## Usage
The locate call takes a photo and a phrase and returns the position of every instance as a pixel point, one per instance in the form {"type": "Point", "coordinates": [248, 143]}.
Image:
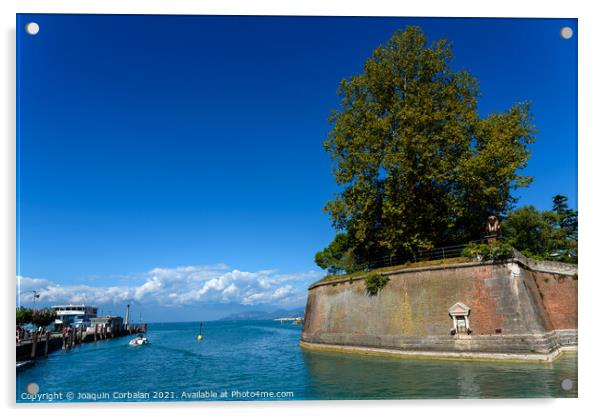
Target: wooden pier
{"type": "Point", "coordinates": [40, 345]}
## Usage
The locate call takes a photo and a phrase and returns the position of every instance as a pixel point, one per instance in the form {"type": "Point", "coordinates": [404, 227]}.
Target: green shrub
{"type": "Point", "coordinates": [375, 282]}
{"type": "Point", "coordinates": [485, 252]}
{"type": "Point", "coordinates": [475, 251]}
{"type": "Point", "coordinates": [500, 250]}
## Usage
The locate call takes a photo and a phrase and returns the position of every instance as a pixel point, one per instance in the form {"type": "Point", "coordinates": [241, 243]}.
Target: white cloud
{"type": "Point", "coordinates": [185, 285]}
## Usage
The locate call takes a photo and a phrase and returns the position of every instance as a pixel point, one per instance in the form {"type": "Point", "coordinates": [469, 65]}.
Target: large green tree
{"type": "Point", "coordinates": [549, 234]}
{"type": "Point", "coordinates": [417, 165]}
{"type": "Point", "coordinates": [530, 231]}
{"type": "Point", "coordinates": [565, 218]}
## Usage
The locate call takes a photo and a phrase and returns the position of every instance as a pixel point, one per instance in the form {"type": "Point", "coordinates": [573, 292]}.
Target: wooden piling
{"type": "Point", "coordinates": [64, 340]}
{"type": "Point", "coordinates": [46, 345]}
{"type": "Point", "coordinates": [96, 332]}
{"type": "Point", "coordinates": [34, 345]}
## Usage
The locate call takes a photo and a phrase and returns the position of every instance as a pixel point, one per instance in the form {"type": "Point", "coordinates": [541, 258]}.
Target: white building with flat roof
{"type": "Point", "coordinates": [74, 315]}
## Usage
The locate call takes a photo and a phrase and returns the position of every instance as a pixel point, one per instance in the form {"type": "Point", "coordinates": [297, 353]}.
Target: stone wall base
{"type": "Point", "coordinates": [537, 348]}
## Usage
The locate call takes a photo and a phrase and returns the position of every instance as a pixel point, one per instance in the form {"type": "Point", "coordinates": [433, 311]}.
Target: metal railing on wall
{"type": "Point", "coordinates": [443, 252]}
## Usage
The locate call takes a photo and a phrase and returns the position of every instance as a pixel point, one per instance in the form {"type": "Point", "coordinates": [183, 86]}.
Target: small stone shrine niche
{"type": "Point", "coordinates": [459, 312]}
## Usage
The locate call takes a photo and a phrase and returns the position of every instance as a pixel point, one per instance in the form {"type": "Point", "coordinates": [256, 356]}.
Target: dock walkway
{"type": "Point", "coordinates": [40, 345]}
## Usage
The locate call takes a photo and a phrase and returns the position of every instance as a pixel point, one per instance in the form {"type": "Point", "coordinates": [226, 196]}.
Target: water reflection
{"type": "Point", "coordinates": [349, 376]}
{"type": "Point", "coordinates": [467, 383]}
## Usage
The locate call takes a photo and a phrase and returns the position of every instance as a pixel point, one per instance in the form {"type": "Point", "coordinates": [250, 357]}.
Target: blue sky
{"type": "Point", "coordinates": [161, 143]}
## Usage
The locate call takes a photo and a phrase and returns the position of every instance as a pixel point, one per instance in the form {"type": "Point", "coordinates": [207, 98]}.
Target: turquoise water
{"type": "Point", "coordinates": [251, 360]}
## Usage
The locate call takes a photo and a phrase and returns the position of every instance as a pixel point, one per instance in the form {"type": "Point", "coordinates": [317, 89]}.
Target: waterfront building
{"type": "Point", "coordinates": [114, 322]}
{"type": "Point", "coordinates": [74, 315]}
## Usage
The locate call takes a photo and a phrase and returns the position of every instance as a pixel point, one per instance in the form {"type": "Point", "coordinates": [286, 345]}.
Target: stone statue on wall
{"type": "Point", "coordinates": [493, 228]}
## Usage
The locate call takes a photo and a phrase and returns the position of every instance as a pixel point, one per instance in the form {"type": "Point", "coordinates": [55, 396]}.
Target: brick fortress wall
{"type": "Point", "coordinates": [517, 306]}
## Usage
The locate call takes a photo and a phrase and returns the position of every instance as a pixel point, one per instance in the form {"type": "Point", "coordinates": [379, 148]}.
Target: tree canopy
{"type": "Point", "coordinates": [23, 315]}
{"type": "Point", "coordinates": [43, 317]}
{"type": "Point", "coordinates": [549, 234]}
{"type": "Point", "coordinates": [417, 165]}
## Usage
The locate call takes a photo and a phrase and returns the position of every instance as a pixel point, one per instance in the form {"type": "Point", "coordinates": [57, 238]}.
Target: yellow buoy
{"type": "Point", "coordinates": [200, 336]}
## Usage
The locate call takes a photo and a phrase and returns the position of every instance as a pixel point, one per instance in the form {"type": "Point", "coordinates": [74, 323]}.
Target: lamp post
{"type": "Point", "coordinates": [36, 295]}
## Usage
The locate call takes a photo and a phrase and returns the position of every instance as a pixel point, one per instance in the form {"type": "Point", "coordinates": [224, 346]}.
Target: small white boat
{"type": "Point", "coordinates": [139, 340]}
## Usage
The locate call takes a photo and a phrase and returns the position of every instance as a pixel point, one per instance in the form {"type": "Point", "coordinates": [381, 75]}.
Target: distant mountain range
{"type": "Point", "coordinates": [263, 315]}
